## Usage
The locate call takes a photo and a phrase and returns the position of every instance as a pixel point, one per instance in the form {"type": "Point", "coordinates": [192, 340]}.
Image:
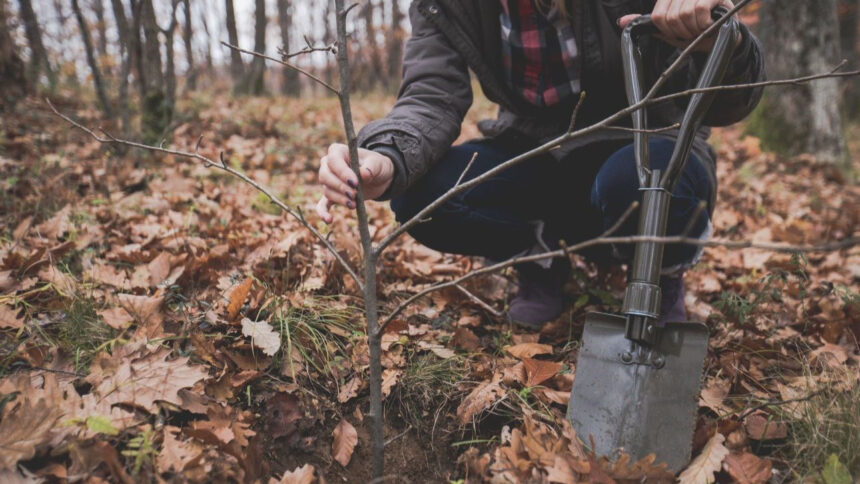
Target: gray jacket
{"type": "Point", "coordinates": [452, 37]}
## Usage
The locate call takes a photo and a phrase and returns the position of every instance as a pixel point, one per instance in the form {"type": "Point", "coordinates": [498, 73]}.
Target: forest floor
{"type": "Point", "coordinates": [129, 284]}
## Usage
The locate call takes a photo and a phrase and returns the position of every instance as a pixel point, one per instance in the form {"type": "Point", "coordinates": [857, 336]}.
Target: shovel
{"type": "Point", "coordinates": [637, 384]}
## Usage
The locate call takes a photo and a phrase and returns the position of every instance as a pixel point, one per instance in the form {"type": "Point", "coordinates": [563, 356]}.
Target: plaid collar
{"type": "Point", "coordinates": [539, 53]}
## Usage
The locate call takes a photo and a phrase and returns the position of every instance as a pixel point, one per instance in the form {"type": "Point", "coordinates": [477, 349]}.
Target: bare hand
{"type": "Point", "coordinates": [681, 21]}
{"type": "Point", "coordinates": [339, 181]}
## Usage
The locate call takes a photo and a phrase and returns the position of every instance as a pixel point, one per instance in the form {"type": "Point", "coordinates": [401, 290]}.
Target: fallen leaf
{"type": "Point", "coordinates": [745, 468]}
{"type": "Point", "coordinates": [9, 317]}
{"type": "Point", "coordinates": [176, 455]}
{"type": "Point", "coordinates": [528, 350]}
{"type": "Point", "coordinates": [262, 336]}
{"type": "Point", "coordinates": [25, 426]}
{"type": "Point", "coordinates": [389, 379]}
{"type": "Point", "coordinates": [713, 394]}
{"type": "Point", "coordinates": [345, 439]}
{"type": "Point", "coordinates": [237, 298]}
{"type": "Point", "coordinates": [437, 349]}
{"type": "Point", "coordinates": [539, 371]}
{"type": "Point", "coordinates": [350, 389]}
{"type": "Point", "coordinates": [464, 338]}
{"type": "Point", "coordinates": [481, 397]}
{"type": "Point", "coordinates": [299, 475]}
{"type": "Point", "coordinates": [116, 318]}
{"type": "Point", "coordinates": [701, 470]}
{"type": "Point", "coordinates": [760, 427]}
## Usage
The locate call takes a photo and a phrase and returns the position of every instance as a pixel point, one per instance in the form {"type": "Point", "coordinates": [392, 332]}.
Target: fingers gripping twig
{"type": "Point", "coordinates": [221, 165]}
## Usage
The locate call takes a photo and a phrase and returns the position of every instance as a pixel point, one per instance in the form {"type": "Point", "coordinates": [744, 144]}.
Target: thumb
{"type": "Point", "coordinates": [623, 21]}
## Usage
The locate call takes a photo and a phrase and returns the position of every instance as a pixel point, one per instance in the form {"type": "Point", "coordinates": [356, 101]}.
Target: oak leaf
{"type": "Point", "coordinates": [528, 350]}
{"type": "Point", "coordinates": [177, 455]}
{"type": "Point", "coordinates": [701, 470]}
{"type": "Point", "coordinates": [345, 439]}
{"type": "Point", "coordinates": [299, 475]}
{"type": "Point", "coordinates": [349, 390]}
{"type": "Point", "coordinates": [745, 468]}
{"type": "Point", "coordinates": [481, 397]}
{"type": "Point", "coordinates": [9, 317]}
{"type": "Point", "coordinates": [262, 336]}
{"type": "Point", "coordinates": [25, 426]}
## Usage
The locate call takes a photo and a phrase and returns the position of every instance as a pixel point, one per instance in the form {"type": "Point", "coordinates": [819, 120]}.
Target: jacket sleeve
{"type": "Point", "coordinates": [745, 67]}
{"type": "Point", "coordinates": [434, 96]}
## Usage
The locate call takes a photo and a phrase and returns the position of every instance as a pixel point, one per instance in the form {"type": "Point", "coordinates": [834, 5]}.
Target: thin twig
{"type": "Point", "coordinates": [222, 165]}
{"type": "Point", "coordinates": [307, 49]}
{"type": "Point", "coordinates": [645, 131]}
{"type": "Point", "coordinates": [401, 434]}
{"type": "Point", "coordinates": [285, 64]}
{"type": "Point", "coordinates": [480, 302]}
{"type": "Point", "coordinates": [575, 114]}
{"type": "Point", "coordinates": [468, 166]}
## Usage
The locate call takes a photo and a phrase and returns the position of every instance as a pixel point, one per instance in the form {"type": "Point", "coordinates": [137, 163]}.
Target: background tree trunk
{"type": "Point", "coordinates": [371, 79]}
{"type": "Point", "coordinates": [256, 82]}
{"type": "Point", "coordinates": [290, 84]}
{"type": "Point", "coordinates": [11, 66]}
{"type": "Point", "coordinates": [155, 108]}
{"type": "Point", "coordinates": [800, 38]}
{"type": "Point", "coordinates": [237, 68]}
{"type": "Point", "coordinates": [38, 56]}
{"type": "Point", "coordinates": [848, 18]}
{"type": "Point", "coordinates": [396, 36]}
{"type": "Point", "coordinates": [187, 32]}
{"type": "Point", "coordinates": [101, 92]}
{"type": "Point", "coordinates": [125, 63]}
{"type": "Point", "coordinates": [170, 68]}
{"type": "Point", "coordinates": [101, 27]}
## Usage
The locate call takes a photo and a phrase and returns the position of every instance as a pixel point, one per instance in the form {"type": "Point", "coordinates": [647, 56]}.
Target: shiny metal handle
{"type": "Point", "coordinates": [712, 74]}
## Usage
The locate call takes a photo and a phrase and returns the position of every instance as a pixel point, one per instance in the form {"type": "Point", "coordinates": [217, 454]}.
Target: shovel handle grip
{"type": "Point", "coordinates": [712, 74]}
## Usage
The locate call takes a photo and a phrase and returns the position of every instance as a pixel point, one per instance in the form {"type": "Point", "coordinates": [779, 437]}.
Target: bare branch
{"type": "Point", "coordinates": [285, 64]}
{"type": "Point", "coordinates": [646, 131]}
{"type": "Point", "coordinates": [678, 239]}
{"type": "Point", "coordinates": [480, 302]}
{"type": "Point", "coordinates": [307, 49]}
{"type": "Point", "coordinates": [573, 116]}
{"type": "Point", "coordinates": [108, 139]}
{"type": "Point", "coordinates": [468, 166]}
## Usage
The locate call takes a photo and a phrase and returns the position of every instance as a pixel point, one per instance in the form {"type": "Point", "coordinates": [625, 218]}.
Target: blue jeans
{"type": "Point", "coordinates": [575, 199]}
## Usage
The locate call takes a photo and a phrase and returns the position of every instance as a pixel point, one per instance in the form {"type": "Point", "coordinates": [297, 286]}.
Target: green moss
{"type": "Point", "coordinates": [767, 124]}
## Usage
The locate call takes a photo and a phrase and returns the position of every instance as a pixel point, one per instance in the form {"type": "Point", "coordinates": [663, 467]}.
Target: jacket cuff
{"type": "Point", "coordinates": [398, 182]}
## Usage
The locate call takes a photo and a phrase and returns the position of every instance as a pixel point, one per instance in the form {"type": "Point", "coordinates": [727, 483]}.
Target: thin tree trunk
{"type": "Point", "coordinates": [125, 63]}
{"type": "Point", "coordinates": [372, 78]}
{"type": "Point", "coordinates": [170, 68]}
{"type": "Point", "coordinates": [101, 27]}
{"type": "Point", "coordinates": [237, 69]}
{"type": "Point", "coordinates": [329, 36]}
{"type": "Point", "coordinates": [189, 51]}
{"type": "Point", "coordinates": [101, 92]}
{"type": "Point", "coordinates": [155, 107]}
{"type": "Point", "coordinates": [135, 43]}
{"type": "Point", "coordinates": [11, 66]}
{"type": "Point", "coordinates": [395, 45]}
{"type": "Point", "coordinates": [848, 18]}
{"type": "Point", "coordinates": [256, 82]}
{"type": "Point", "coordinates": [39, 56]}
{"type": "Point", "coordinates": [210, 64]}
{"type": "Point", "coordinates": [290, 85]}
{"type": "Point", "coordinates": [801, 37]}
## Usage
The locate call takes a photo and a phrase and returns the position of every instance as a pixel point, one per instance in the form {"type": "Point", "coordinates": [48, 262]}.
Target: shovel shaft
{"type": "Point", "coordinates": [642, 297]}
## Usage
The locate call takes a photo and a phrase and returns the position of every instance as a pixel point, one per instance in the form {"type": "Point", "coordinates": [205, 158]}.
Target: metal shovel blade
{"type": "Point", "coordinates": [641, 406]}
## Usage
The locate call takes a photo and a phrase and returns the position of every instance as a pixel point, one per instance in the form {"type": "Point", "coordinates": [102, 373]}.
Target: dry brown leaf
{"type": "Point", "coordinates": [159, 269]}
{"type": "Point", "coordinates": [144, 377]}
{"type": "Point", "coordinates": [481, 397]}
{"type": "Point", "coordinates": [539, 371]}
{"type": "Point", "coordinates": [237, 298]}
{"type": "Point", "coordinates": [389, 379]}
{"type": "Point", "coordinates": [701, 470]}
{"type": "Point", "coordinates": [299, 475]}
{"type": "Point", "coordinates": [349, 390]}
{"type": "Point", "coordinates": [760, 427]}
{"type": "Point", "coordinates": [116, 318]}
{"type": "Point", "coordinates": [9, 317]}
{"type": "Point", "coordinates": [528, 350]}
{"type": "Point", "coordinates": [345, 439]}
{"type": "Point", "coordinates": [745, 468]}
{"type": "Point", "coordinates": [176, 455]}
{"type": "Point", "coordinates": [437, 349]}
{"type": "Point", "coordinates": [714, 394]}
{"type": "Point", "coordinates": [25, 426]}
{"type": "Point", "coordinates": [146, 311]}
{"type": "Point", "coordinates": [262, 336]}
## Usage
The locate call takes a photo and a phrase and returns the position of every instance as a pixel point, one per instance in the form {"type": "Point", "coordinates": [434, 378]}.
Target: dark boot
{"type": "Point", "coordinates": [672, 307]}
{"type": "Point", "coordinates": [540, 297]}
